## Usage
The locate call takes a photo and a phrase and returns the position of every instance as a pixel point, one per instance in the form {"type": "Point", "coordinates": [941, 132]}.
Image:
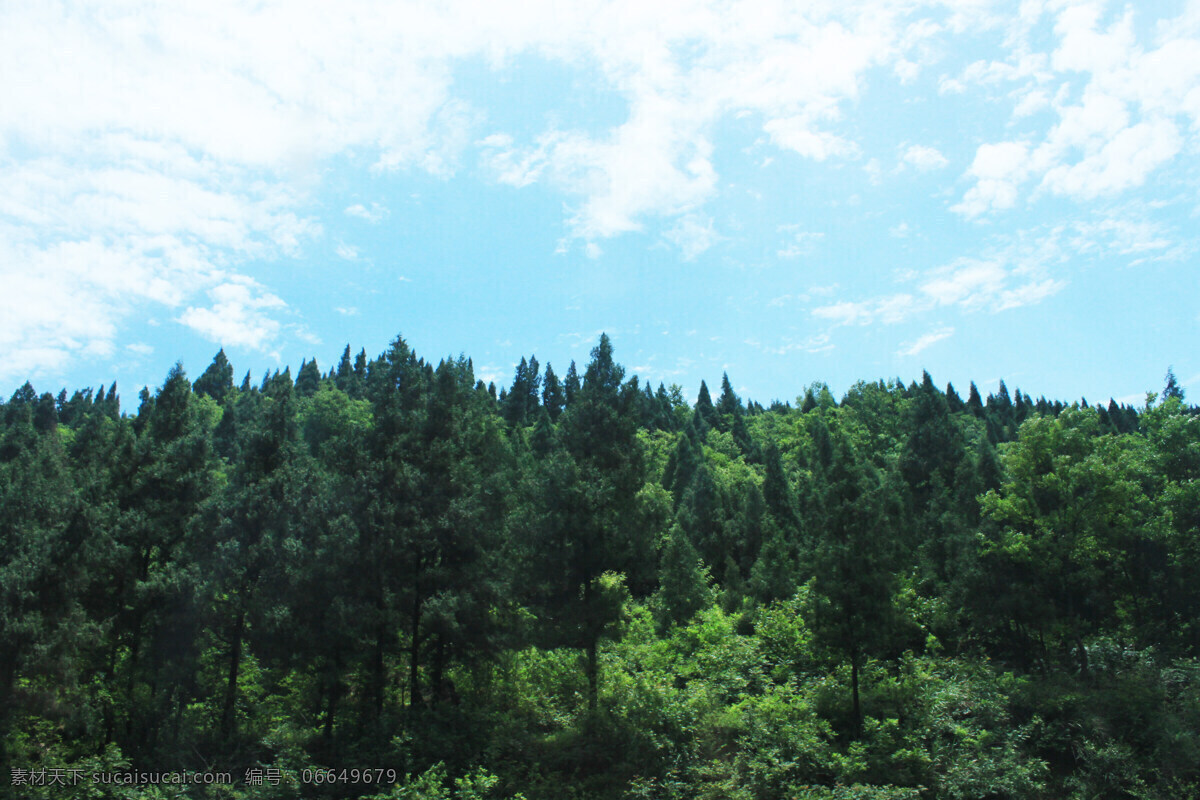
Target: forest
{"type": "Point", "coordinates": [390, 580]}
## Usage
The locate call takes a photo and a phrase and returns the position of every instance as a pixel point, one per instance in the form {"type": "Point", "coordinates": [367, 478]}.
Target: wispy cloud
{"type": "Point", "coordinates": [802, 243]}
{"type": "Point", "coordinates": [933, 337]}
{"type": "Point", "coordinates": [693, 235]}
{"type": "Point", "coordinates": [376, 213]}
{"type": "Point", "coordinates": [924, 158]}
{"type": "Point", "coordinates": [1017, 273]}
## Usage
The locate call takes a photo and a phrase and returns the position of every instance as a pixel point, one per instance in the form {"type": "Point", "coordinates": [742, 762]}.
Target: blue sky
{"type": "Point", "coordinates": [787, 192]}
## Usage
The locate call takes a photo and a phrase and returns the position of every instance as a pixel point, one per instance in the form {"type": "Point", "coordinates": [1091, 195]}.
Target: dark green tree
{"type": "Point", "coordinates": [852, 612]}
{"type": "Point", "coordinates": [584, 535]}
{"type": "Point", "coordinates": [553, 397]}
{"type": "Point", "coordinates": [217, 380]}
{"type": "Point", "coordinates": [308, 379]}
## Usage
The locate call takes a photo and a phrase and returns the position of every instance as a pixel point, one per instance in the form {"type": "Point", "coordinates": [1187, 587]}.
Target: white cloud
{"type": "Point", "coordinates": [803, 243]}
{"type": "Point", "coordinates": [1016, 273]}
{"type": "Point", "coordinates": [816, 343]}
{"type": "Point", "coordinates": [924, 158]}
{"type": "Point", "coordinates": [1122, 162]}
{"type": "Point", "coordinates": [85, 243]}
{"type": "Point", "coordinates": [237, 316]}
{"type": "Point", "coordinates": [797, 134]}
{"type": "Point", "coordinates": [846, 312]}
{"type": "Point", "coordinates": [693, 235]}
{"type": "Point", "coordinates": [968, 283]}
{"type": "Point", "coordinates": [1137, 101]}
{"type": "Point", "coordinates": [143, 192]}
{"type": "Point", "coordinates": [347, 252]}
{"type": "Point", "coordinates": [376, 213]}
{"type": "Point", "coordinates": [933, 337]}
{"type": "Point", "coordinates": [998, 170]}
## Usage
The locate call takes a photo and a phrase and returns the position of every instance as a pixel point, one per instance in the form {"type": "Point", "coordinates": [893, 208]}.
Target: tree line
{"type": "Point", "coordinates": [585, 587]}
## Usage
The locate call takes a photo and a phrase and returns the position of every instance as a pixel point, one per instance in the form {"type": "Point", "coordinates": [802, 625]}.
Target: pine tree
{"type": "Point", "coordinates": [775, 571]}
{"type": "Point", "coordinates": [810, 402]}
{"type": "Point", "coordinates": [778, 495]}
{"type": "Point", "coordinates": [729, 406]}
{"type": "Point", "coordinates": [974, 401]}
{"type": "Point", "coordinates": [855, 580]}
{"type": "Point", "coordinates": [248, 530]}
{"type": "Point", "coordinates": [585, 538]}
{"type": "Point", "coordinates": [953, 401]}
{"type": "Point", "coordinates": [1172, 390]}
{"type": "Point", "coordinates": [173, 476]}
{"type": "Point", "coordinates": [571, 384]}
{"type": "Point", "coordinates": [522, 399]}
{"type": "Point", "coordinates": [217, 380]}
{"type": "Point", "coordinates": [705, 409]}
{"type": "Point", "coordinates": [685, 459]}
{"type": "Point", "coordinates": [933, 448]}
{"type": "Point", "coordinates": [308, 379]}
{"type": "Point", "coordinates": [685, 586]}
{"type": "Point", "coordinates": [553, 397]}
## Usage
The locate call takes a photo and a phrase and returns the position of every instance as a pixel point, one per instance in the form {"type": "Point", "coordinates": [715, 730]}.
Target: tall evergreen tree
{"type": "Point", "coordinates": [553, 397]}
{"type": "Point", "coordinates": [705, 408]}
{"type": "Point", "coordinates": [778, 495]}
{"type": "Point", "coordinates": [217, 380]}
{"type": "Point", "coordinates": [571, 384]}
{"type": "Point", "coordinates": [953, 401]}
{"type": "Point", "coordinates": [974, 401]}
{"type": "Point", "coordinates": [1172, 390]}
{"type": "Point", "coordinates": [308, 379]}
{"type": "Point", "coordinates": [585, 539]}
{"type": "Point", "coordinates": [855, 577]}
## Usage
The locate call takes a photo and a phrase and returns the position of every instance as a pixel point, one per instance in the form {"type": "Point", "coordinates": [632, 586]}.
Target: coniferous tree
{"type": "Point", "coordinates": [705, 409]}
{"type": "Point", "coordinates": [974, 401]}
{"type": "Point", "coordinates": [668, 420]}
{"type": "Point", "coordinates": [45, 414]}
{"type": "Point", "coordinates": [684, 583]}
{"type": "Point", "coordinates": [953, 401]}
{"type": "Point", "coordinates": [855, 581]}
{"type": "Point", "coordinates": [743, 439]}
{"type": "Point", "coordinates": [729, 405]}
{"type": "Point", "coordinates": [778, 495]}
{"type": "Point", "coordinates": [933, 449]}
{"type": "Point", "coordinates": [217, 380]}
{"type": "Point", "coordinates": [685, 459]}
{"type": "Point", "coordinates": [393, 552]}
{"type": "Point", "coordinates": [247, 535]}
{"type": "Point", "coordinates": [1172, 390]}
{"type": "Point", "coordinates": [173, 476]}
{"type": "Point", "coordinates": [39, 557]}
{"type": "Point", "coordinates": [553, 397]}
{"type": "Point", "coordinates": [308, 379]}
{"type": "Point", "coordinates": [775, 571]}
{"type": "Point", "coordinates": [571, 384]}
{"type": "Point", "coordinates": [810, 401]}
{"type": "Point", "coordinates": [585, 540]}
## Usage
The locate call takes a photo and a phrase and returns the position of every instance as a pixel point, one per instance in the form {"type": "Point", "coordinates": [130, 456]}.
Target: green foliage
{"type": "Point", "coordinates": [434, 785]}
{"type": "Point", "coordinates": [588, 589]}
